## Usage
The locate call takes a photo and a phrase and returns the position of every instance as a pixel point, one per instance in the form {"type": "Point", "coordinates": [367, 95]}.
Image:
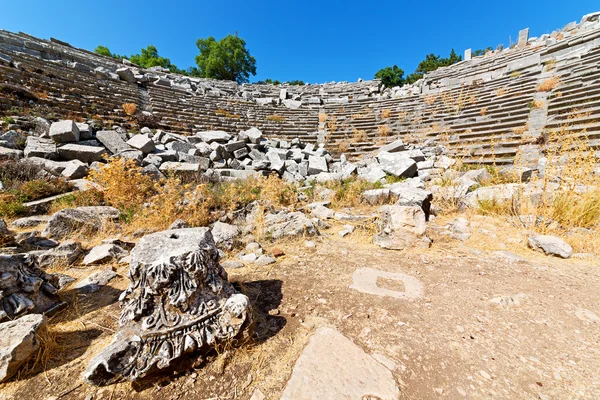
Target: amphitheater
{"type": "Point", "coordinates": [486, 107]}
{"type": "Point", "coordinates": [343, 240]}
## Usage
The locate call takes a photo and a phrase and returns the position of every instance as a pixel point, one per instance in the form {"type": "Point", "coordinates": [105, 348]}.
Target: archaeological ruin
{"type": "Point", "coordinates": [166, 236]}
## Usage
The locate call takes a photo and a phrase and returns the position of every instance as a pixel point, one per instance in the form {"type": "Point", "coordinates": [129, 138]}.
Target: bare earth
{"type": "Point", "coordinates": [485, 327]}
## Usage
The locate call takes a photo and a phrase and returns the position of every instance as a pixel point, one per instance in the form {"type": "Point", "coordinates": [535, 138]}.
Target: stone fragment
{"type": "Point", "coordinates": [317, 165]}
{"type": "Point", "coordinates": [30, 222]}
{"type": "Point", "coordinates": [19, 340]}
{"type": "Point", "coordinates": [69, 220]}
{"type": "Point", "coordinates": [232, 264]}
{"type": "Point", "coordinates": [179, 224]}
{"type": "Point", "coordinates": [393, 147]}
{"type": "Point", "coordinates": [24, 287]}
{"type": "Point", "coordinates": [75, 169]}
{"type": "Point", "coordinates": [214, 136]}
{"type": "Point", "coordinates": [64, 254]}
{"type": "Point", "coordinates": [289, 224]}
{"type": "Point", "coordinates": [126, 74]}
{"type": "Point", "coordinates": [87, 154]}
{"type": "Point", "coordinates": [401, 227]}
{"type": "Point", "coordinates": [332, 367]}
{"type": "Point", "coordinates": [40, 147]}
{"type": "Point", "coordinates": [264, 260]}
{"type": "Point", "coordinates": [142, 143]}
{"type": "Point", "coordinates": [64, 131]}
{"type": "Point", "coordinates": [551, 245]}
{"type": "Point", "coordinates": [376, 196]}
{"type": "Point", "coordinates": [104, 253]}
{"type": "Point", "coordinates": [112, 141]}
{"type": "Point", "coordinates": [95, 281]}
{"type": "Point", "coordinates": [397, 165]}
{"type": "Point", "coordinates": [224, 234]}
{"type": "Point", "coordinates": [179, 302]}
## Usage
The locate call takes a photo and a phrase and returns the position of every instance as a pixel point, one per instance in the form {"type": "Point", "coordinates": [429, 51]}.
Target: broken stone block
{"type": "Point", "coordinates": [142, 143]}
{"type": "Point", "coordinates": [317, 165]}
{"type": "Point", "coordinates": [254, 135]}
{"type": "Point", "coordinates": [104, 253]}
{"type": "Point", "coordinates": [40, 147]}
{"type": "Point", "coordinates": [376, 196]}
{"type": "Point", "coordinates": [69, 220]}
{"type": "Point", "coordinates": [289, 224]}
{"type": "Point", "coordinates": [112, 141]}
{"type": "Point", "coordinates": [64, 131]}
{"type": "Point", "coordinates": [75, 170]}
{"type": "Point", "coordinates": [214, 136]}
{"type": "Point", "coordinates": [18, 342]}
{"type": "Point", "coordinates": [66, 253]}
{"type": "Point", "coordinates": [401, 227]}
{"type": "Point", "coordinates": [87, 154]}
{"type": "Point", "coordinates": [397, 165]}
{"type": "Point", "coordinates": [551, 245]}
{"type": "Point", "coordinates": [24, 287]}
{"type": "Point", "coordinates": [126, 75]}
{"type": "Point", "coordinates": [95, 281]}
{"type": "Point", "coordinates": [178, 303]}
{"type": "Point", "coordinates": [224, 234]}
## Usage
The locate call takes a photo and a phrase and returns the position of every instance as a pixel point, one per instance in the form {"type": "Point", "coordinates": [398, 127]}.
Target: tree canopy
{"type": "Point", "coordinates": [226, 59]}
{"type": "Point", "coordinates": [394, 76]}
{"type": "Point", "coordinates": [391, 76]}
{"type": "Point", "coordinates": [147, 58]}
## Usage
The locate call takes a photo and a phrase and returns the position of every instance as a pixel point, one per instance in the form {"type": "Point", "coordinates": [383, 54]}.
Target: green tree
{"type": "Point", "coordinates": [431, 63]}
{"type": "Point", "coordinates": [481, 52]}
{"type": "Point", "coordinates": [104, 51]}
{"type": "Point", "coordinates": [226, 59]}
{"type": "Point", "coordinates": [391, 76]}
{"type": "Point", "coordinates": [149, 57]}
{"type": "Point", "coordinates": [296, 82]}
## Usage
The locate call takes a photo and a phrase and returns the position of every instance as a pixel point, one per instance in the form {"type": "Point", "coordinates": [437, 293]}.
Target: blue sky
{"type": "Point", "coordinates": [315, 41]}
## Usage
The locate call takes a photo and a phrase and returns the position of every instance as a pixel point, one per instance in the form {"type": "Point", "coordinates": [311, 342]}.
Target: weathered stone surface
{"type": "Point", "coordinates": [40, 147]}
{"type": "Point", "coordinates": [317, 165]}
{"type": "Point", "coordinates": [87, 154]}
{"type": "Point", "coordinates": [24, 287]}
{"type": "Point", "coordinates": [214, 136]}
{"type": "Point", "coordinates": [18, 341]}
{"type": "Point", "coordinates": [65, 254]}
{"type": "Point", "coordinates": [376, 196]}
{"type": "Point", "coordinates": [401, 227]}
{"type": "Point", "coordinates": [30, 222]}
{"type": "Point", "coordinates": [10, 154]}
{"type": "Point", "coordinates": [112, 141]}
{"type": "Point", "coordinates": [104, 253]}
{"type": "Point", "coordinates": [69, 220]}
{"type": "Point", "coordinates": [75, 169]}
{"type": "Point", "coordinates": [289, 224]}
{"type": "Point", "coordinates": [397, 165]}
{"type": "Point", "coordinates": [95, 281]}
{"type": "Point", "coordinates": [393, 147]}
{"type": "Point", "coordinates": [224, 234]}
{"type": "Point", "coordinates": [126, 74]}
{"type": "Point", "coordinates": [332, 367]}
{"type": "Point", "coordinates": [550, 245]}
{"type": "Point", "coordinates": [64, 131]}
{"type": "Point", "coordinates": [178, 302]}
{"type": "Point", "coordinates": [365, 280]}
{"type": "Point", "coordinates": [178, 167]}
{"type": "Point", "coordinates": [254, 135]}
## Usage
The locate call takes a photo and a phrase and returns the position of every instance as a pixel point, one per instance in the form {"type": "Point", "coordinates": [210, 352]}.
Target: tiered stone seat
{"type": "Point", "coordinates": [184, 112]}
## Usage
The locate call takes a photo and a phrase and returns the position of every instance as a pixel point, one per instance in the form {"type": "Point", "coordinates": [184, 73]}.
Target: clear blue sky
{"type": "Point", "coordinates": [315, 41]}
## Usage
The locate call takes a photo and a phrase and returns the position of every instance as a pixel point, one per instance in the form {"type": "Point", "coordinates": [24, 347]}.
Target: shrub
{"type": "Point", "coordinates": [548, 84]}
{"type": "Point", "coordinates": [129, 108]}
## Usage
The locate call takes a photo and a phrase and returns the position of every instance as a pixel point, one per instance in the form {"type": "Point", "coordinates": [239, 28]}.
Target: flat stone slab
{"type": "Point", "coordinates": [365, 281]}
{"type": "Point", "coordinates": [332, 367]}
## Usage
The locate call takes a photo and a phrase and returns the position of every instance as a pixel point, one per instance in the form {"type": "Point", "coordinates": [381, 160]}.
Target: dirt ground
{"type": "Point", "coordinates": [486, 327]}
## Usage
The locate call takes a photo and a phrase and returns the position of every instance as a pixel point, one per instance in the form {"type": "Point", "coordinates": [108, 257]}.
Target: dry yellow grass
{"type": "Point", "coordinates": [483, 111]}
{"type": "Point", "coordinates": [549, 84]}
{"type": "Point", "coordinates": [383, 131]}
{"type": "Point", "coordinates": [385, 113]}
{"type": "Point", "coordinates": [359, 135]}
{"type": "Point", "coordinates": [322, 117]}
{"type": "Point", "coordinates": [275, 118]}
{"type": "Point", "coordinates": [500, 92]}
{"type": "Point", "coordinates": [129, 108]}
{"type": "Point", "coordinates": [430, 99]}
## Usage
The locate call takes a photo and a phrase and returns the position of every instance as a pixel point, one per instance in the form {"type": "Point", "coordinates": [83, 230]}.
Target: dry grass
{"type": "Point", "coordinates": [226, 114]}
{"type": "Point", "coordinates": [385, 113]}
{"type": "Point", "coordinates": [322, 117]}
{"type": "Point", "coordinates": [275, 118]}
{"type": "Point", "coordinates": [383, 131]}
{"type": "Point", "coordinates": [483, 111]}
{"type": "Point", "coordinates": [359, 135]}
{"type": "Point", "coordinates": [129, 108]}
{"type": "Point", "coordinates": [549, 84]}
{"type": "Point", "coordinates": [430, 99]}
{"type": "Point", "coordinates": [500, 92]}
{"type": "Point", "coordinates": [537, 104]}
